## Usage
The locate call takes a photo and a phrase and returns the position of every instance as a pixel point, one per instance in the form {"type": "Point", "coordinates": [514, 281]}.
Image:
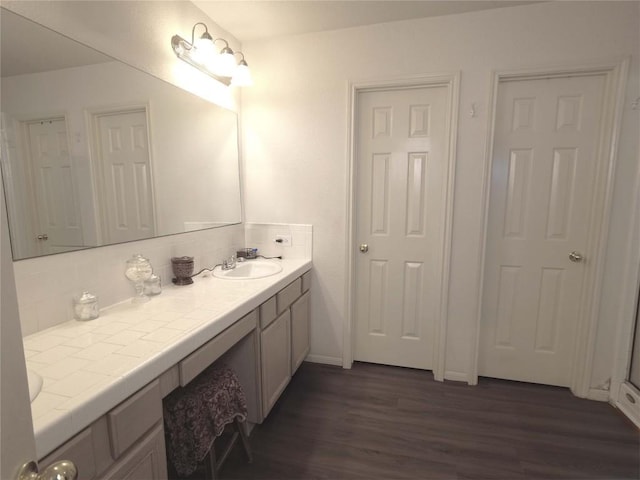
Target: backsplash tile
{"type": "Point", "coordinates": [46, 285]}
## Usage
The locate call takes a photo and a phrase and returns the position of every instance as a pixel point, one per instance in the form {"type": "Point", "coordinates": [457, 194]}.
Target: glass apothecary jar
{"type": "Point", "coordinates": [138, 270]}
{"type": "Point", "coordinates": [85, 307]}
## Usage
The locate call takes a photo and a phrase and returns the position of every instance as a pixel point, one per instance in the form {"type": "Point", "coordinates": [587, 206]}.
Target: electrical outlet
{"type": "Point", "coordinates": [283, 240]}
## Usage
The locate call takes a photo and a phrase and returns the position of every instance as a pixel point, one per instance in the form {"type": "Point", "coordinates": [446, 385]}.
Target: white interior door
{"type": "Point", "coordinates": [126, 182]}
{"type": "Point", "coordinates": [401, 161]}
{"type": "Point", "coordinates": [17, 445]}
{"type": "Point", "coordinates": [55, 186]}
{"type": "Point", "coordinates": [544, 169]}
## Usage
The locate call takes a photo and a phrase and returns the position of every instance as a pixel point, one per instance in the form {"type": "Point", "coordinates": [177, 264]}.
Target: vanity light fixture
{"type": "Point", "coordinates": [202, 54]}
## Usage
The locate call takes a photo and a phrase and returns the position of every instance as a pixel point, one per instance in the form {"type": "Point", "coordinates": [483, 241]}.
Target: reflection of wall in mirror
{"type": "Point", "coordinates": [182, 165]}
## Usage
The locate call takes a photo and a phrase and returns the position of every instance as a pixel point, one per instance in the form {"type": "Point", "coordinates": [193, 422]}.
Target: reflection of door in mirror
{"type": "Point", "coordinates": [124, 175]}
{"type": "Point", "coordinates": [52, 178]}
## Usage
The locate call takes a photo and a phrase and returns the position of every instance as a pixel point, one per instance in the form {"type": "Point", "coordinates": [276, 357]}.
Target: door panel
{"type": "Point", "coordinates": [17, 445]}
{"type": "Point", "coordinates": [402, 159]}
{"type": "Point", "coordinates": [57, 206]}
{"type": "Point", "coordinates": [127, 193]}
{"type": "Point", "coordinates": [543, 174]}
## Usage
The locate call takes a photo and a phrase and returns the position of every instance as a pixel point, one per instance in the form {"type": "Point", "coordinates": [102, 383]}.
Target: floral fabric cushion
{"type": "Point", "coordinates": [196, 414]}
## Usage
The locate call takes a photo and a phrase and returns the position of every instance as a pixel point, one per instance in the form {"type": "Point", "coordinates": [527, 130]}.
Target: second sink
{"type": "Point", "coordinates": [249, 269]}
{"type": "Point", "coordinates": [35, 384]}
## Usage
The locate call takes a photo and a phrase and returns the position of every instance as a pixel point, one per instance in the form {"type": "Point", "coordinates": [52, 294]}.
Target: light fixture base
{"type": "Point", "coordinates": [182, 49]}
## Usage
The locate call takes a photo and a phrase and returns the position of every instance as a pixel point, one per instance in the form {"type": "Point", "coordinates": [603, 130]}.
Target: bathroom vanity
{"type": "Point", "coordinates": [113, 426]}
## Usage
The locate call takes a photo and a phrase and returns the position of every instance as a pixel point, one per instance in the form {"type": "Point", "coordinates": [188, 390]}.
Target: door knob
{"type": "Point", "coordinates": [62, 470]}
{"type": "Point", "coordinates": [44, 236]}
{"type": "Point", "coordinates": [576, 257]}
{"type": "Point", "coordinates": [364, 248]}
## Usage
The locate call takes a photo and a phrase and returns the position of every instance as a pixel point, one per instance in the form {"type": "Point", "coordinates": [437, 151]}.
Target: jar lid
{"type": "Point", "coordinates": [181, 259]}
{"type": "Point", "coordinates": [87, 297]}
{"type": "Point", "coordinates": [138, 259]}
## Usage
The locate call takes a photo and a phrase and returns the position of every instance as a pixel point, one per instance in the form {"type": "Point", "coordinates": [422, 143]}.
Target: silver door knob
{"type": "Point", "coordinates": [44, 236]}
{"type": "Point", "coordinates": [364, 248]}
{"type": "Point", "coordinates": [576, 257]}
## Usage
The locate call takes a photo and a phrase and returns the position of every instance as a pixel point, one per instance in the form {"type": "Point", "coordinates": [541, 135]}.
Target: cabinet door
{"type": "Point", "coordinates": [300, 344]}
{"type": "Point", "coordinates": [275, 356]}
{"type": "Point", "coordinates": [146, 460]}
{"type": "Point", "coordinates": [80, 451]}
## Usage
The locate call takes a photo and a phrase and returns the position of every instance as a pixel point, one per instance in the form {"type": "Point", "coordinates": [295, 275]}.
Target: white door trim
{"type": "Point", "coordinates": [620, 385]}
{"type": "Point", "coordinates": [615, 81]}
{"type": "Point", "coordinates": [452, 82]}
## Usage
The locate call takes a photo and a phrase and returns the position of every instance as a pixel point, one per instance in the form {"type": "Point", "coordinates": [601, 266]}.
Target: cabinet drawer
{"type": "Point", "coordinates": [306, 281]}
{"type": "Point", "coordinates": [134, 417]}
{"type": "Point", "coordinates": [288, 295]}
{"type": "Point", "coordinates": [268, 312]}
{"type": "Point", "coordinates": [80, 451]}
{"type": "Point", "coordinates": [199, 360]}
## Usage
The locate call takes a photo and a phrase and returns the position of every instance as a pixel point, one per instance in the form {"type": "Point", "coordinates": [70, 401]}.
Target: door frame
{"type": "Point", "coordinates": [621, 387]}
{"type": "Point", "coordinates": [452, 82]}
{"type": "Point", "coordinates": [615, 74]}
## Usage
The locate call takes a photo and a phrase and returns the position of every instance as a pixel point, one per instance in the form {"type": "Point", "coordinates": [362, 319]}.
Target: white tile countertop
{"type": "Point", "coordinates": [89, 367]}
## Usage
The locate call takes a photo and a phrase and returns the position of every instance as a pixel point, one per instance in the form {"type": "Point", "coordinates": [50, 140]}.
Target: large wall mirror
{"type": "Point", "coordinates": [95, 152]}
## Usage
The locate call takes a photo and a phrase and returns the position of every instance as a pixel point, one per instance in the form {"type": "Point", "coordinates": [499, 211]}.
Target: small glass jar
{"type": "Point", "coordinates": [85, 307]}
{"type": "Point", "coordinates": [138, 270]}
{"type": "Point", "coordinates": [153, 285]}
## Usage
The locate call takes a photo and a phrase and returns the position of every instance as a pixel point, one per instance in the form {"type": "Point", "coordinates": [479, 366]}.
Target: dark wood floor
{"type": "Point", "coordinates": [378, 422]}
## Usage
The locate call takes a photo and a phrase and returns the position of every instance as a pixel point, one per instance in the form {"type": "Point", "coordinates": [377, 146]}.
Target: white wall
{"type": "Point", "coordinates": [295, 130]}
{"type": "Point", "coordinates": [137, 33]}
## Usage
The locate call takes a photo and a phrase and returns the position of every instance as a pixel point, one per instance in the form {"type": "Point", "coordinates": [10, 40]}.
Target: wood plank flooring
{"type": "Point", "coordinates": [379, 422]}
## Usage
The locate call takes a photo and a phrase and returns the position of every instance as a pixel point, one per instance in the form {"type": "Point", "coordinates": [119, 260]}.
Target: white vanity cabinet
{"type": "Point", "coordinates": [264, 347]}
{"type": "Point", "coordinates": [284, 338]}
{"type": "Point", "coordinates": [127, 442]}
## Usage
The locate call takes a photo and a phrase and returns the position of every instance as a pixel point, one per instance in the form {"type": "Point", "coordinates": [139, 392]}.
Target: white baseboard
{"type": "Point", "coordinates": [456, 376]}
{"type": "Point", "coordinates": [598, 395]}
{"type": "Point", "coordinates": [629, 403]}
{"type": "Point", "coordinates": [337, 361]}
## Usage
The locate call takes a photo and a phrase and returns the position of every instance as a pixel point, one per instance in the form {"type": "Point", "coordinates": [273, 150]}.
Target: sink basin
{"type": "Point", "coordinates": [249, 269]}
{"type": "Point", "coordinates": [35, 384]}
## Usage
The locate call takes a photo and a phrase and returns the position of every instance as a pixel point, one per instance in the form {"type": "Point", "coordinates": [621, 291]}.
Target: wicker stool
{"type": "Point", "coordinates": [195, 415]}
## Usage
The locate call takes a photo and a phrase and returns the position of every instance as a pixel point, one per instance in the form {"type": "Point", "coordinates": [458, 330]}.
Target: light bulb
{"type": "Point", "coordinates": [203, 49]}
{"type": "Point", "coordinates": [242, 75]}
{"type": "Point", "coordinates": [225, 63]}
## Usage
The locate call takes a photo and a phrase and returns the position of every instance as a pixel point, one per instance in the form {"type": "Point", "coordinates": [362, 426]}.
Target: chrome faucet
{"type": "Point", "coordinates": [229, 264]}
